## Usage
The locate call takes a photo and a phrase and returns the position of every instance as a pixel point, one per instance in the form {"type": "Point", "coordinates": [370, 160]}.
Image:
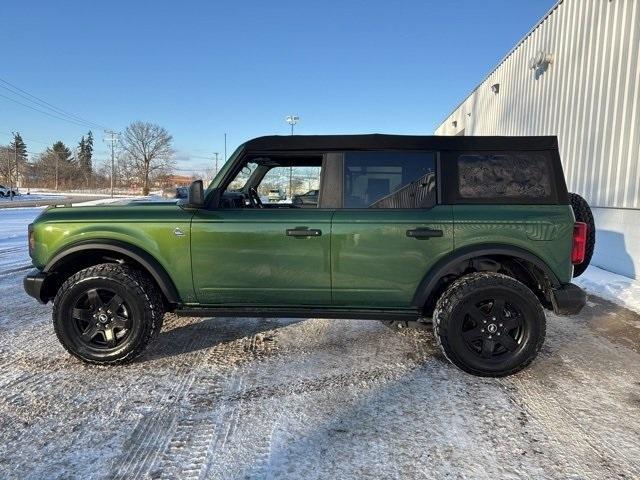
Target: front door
{"type": "Point", "coordinates": [274, 256]}
{"type": "Point", "coordinates": [390, 230]}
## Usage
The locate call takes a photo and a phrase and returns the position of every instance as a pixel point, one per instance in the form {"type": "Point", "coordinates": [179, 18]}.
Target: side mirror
{"type": "Point", "coordinates": [195, 198]}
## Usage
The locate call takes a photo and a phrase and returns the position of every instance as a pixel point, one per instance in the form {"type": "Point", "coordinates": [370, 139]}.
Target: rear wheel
{"type": "Point", "coordinates": [489, 324]}
{"type": "Point", "coordinates": [107, 314]}
{"type": "Point", "coordinates": [582, 212]}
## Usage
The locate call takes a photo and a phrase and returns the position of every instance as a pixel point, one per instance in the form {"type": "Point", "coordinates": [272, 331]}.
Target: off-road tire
{"type": "Point", "coordinates": [582, 212]}
{"type": "Point", "coordinates": [449, 316]}
{"type": "Point", "coordinates": [140, 294]}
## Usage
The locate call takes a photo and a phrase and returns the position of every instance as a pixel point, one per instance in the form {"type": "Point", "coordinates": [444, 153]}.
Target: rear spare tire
{"type": "Point", "coordinates": [582, 212]}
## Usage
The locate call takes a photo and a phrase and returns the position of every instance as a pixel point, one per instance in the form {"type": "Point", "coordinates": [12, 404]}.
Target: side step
{"type": "Point", "coordinates": [283, 312]}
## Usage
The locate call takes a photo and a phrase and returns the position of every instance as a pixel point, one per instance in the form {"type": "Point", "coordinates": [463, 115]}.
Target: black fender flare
{"type": "Point", "coordinates": [445, 264]}
{"type": "Point", "coordinates": [144, 258]}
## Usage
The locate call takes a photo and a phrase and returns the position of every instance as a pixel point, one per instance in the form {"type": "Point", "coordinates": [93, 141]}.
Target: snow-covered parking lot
{"type": "Point", "coordinates": [314, 398]}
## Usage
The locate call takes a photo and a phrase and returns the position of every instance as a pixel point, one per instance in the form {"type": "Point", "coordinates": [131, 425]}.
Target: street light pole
{"type": "Point", "coordinates": [112, 138]}
{"type": "Point", "coordinates": [291, 120]}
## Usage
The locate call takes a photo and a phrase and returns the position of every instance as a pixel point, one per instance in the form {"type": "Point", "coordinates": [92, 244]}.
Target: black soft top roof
{"type": "Point", "coordinates": [397, 142]}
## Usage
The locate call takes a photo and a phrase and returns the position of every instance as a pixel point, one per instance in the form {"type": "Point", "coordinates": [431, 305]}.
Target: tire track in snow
{"type": "Point", "coordinates": [178, 427]}
{"type": "Point", "coordinates": [152, 433]}
{"type": "Point", "coordinates": [569, 419]}
{"type": "Point", "coordinates": [193, 452]}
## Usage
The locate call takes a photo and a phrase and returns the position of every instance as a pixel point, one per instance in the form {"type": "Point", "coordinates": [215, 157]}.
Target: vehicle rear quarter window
{"type": "Point", "coordinates": [504, 177]}
{"type": "Point", "coordinates": [389, 180]}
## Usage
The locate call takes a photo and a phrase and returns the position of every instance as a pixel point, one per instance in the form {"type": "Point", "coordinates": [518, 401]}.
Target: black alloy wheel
{"type": "Point", "coordinates": [489, 324]}
{"type": "Point", "coordinates": [101, 318]}
{"type": "Point", "coordinates": [107, 314]}
{"type": "Point", "coordinates": [493, 328]}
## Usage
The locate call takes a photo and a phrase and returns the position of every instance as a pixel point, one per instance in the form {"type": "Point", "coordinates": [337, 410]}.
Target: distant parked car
{"type": "Point", "coordinates": [6, 191]}
{"type": "Point", "coordinates": [276, 195]}
{"type": "Point", "coordinates": [310, 198]}
{"type": "Point", "coordinates": [182, 192]}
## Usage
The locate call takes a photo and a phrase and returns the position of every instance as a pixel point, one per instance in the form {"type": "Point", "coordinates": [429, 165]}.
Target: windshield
{"type": "Point", "coordinates": [223, 171]}
{"type": "Point", "coordinates": [242, 177]}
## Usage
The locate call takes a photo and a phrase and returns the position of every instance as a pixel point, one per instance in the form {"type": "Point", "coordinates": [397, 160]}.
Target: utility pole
{"type": "Point", "coordinates": [15, 161]}
{"type": "Point", "coordinates": [291, 120]}
{"type": "Point", "coordinates": [225, 148]}
{"type": "Point", "coordinates": [15, 154]}
{"type": "Point", "coordinates": [57, 155]}
{"type": "Point", "coordinates": [9, 174]}
{"type": "Point", "coordinates": [113, 136]}
{"type": "Point", "coordinates": [15, 158]}
{"type": "Point", "coordinates": [216, 154]}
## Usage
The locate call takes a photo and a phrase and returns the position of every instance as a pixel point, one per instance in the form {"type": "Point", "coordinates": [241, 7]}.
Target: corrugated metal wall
{"type": "Point", "coordinates": [588, 95]}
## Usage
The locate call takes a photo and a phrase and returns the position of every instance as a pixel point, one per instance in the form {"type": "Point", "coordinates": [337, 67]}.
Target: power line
{"type": "Point", "coordinates": [27, 139]}
{"type": "Point", "coordinates": [46, 113]}
{"type": "Point", "coordinates": [57, 111]}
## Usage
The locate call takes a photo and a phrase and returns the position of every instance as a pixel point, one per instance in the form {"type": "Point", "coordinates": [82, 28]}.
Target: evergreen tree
{"type": "Point", "coordinates": [85, 153]}
{"type": "Point", "coordinates": [62, 151]}
{"type": "Point", "coordinates": [63, 165]}
{"type": "Point", "coordinates": [89, 145]}
{"type": "Point", "coordinates": [19, 150]}
{"type": "Point", "coordinates": [19, 146]}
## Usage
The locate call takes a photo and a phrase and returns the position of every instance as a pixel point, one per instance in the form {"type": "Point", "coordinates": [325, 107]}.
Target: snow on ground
{"type": "Point", "coordinates": [24, 198]}
{"type": "Point", "coordinates": [616, 288]}
{"type": "Point", "coordinates": [313, 398]}
{"type": "Point", "coordinates": [14, 255]}
{"type": "Point", "coordinates": [42, 198]}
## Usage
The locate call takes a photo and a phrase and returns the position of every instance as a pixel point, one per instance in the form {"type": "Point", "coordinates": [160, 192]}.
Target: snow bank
{"type": "Point", "coordinates": [621, 290]}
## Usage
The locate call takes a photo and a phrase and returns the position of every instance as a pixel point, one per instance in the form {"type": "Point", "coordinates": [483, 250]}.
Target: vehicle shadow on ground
{"type": "Point", "coordinates": [611, 252]}
{"type": "Point", "coordinates": [181, 336]}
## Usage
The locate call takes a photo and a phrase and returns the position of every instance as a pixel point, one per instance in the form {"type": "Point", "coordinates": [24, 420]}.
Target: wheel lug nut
{"type": "Point", "coordinates": [493, 318]}
{"type": "Point", "coordinates": [500, 324]}
{"type": "Point", "coordinates": [482, 330]}
{"type": "Point", "coordinates": [489, 336]}
{"type": "Point", "coordinates": [484, 321]}
{"type": "Point", "coordinates": [498, 333]}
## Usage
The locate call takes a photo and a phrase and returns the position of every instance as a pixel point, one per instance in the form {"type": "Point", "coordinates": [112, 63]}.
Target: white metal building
{"type": "Point", "coordinates": [576, 75]}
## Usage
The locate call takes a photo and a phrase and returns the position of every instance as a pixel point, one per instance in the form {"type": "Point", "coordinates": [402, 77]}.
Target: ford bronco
{"type": "Point", "coordinates": [476, 235]}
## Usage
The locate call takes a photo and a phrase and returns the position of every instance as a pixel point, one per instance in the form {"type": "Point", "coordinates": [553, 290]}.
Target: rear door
{"type": "Point", "coordinates": [390, 230]}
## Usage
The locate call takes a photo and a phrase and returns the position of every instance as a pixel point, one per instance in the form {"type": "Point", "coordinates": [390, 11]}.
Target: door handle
{"type": "Point", "coordinates": [303, 232]}
{"type": "Point", "coordinates": [424, 233]}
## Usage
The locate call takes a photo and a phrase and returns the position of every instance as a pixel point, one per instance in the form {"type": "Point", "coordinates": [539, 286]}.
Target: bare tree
{"type": "Point", "coordinates": [7, 165]}
{"type": "Point", "coordinates": [148, 147]}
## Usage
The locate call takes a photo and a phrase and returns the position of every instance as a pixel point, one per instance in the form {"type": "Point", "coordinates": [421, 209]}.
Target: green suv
{"type": "Point", "coordinates": [476, 234]}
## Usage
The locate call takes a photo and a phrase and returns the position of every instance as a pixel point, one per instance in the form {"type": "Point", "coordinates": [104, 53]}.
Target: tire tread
{"type": "Point", "coordinates": [582, 212]}
{"type": "Point", "coordinates": [456, 292]}
{"type": "Point", "coordinates": [133, 279]}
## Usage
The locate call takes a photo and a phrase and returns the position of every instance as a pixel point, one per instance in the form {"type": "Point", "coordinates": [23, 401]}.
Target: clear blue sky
{"type": "Point", "coordinates": [202, 68]}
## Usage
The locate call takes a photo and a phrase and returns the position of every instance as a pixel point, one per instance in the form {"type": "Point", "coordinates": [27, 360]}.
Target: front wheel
{"type": "Point", "coordinates": [107, 314]}
{"type": "Point", "coordinates": [489, 324]}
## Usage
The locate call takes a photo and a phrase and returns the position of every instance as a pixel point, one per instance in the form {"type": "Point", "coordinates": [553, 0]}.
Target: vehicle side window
{"type": "Point", "coordinates": [298, 185]}
{"type": "Point", "coordinates": [389, 180]}
{"type": "Point", "coordinates": [516, 176]}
